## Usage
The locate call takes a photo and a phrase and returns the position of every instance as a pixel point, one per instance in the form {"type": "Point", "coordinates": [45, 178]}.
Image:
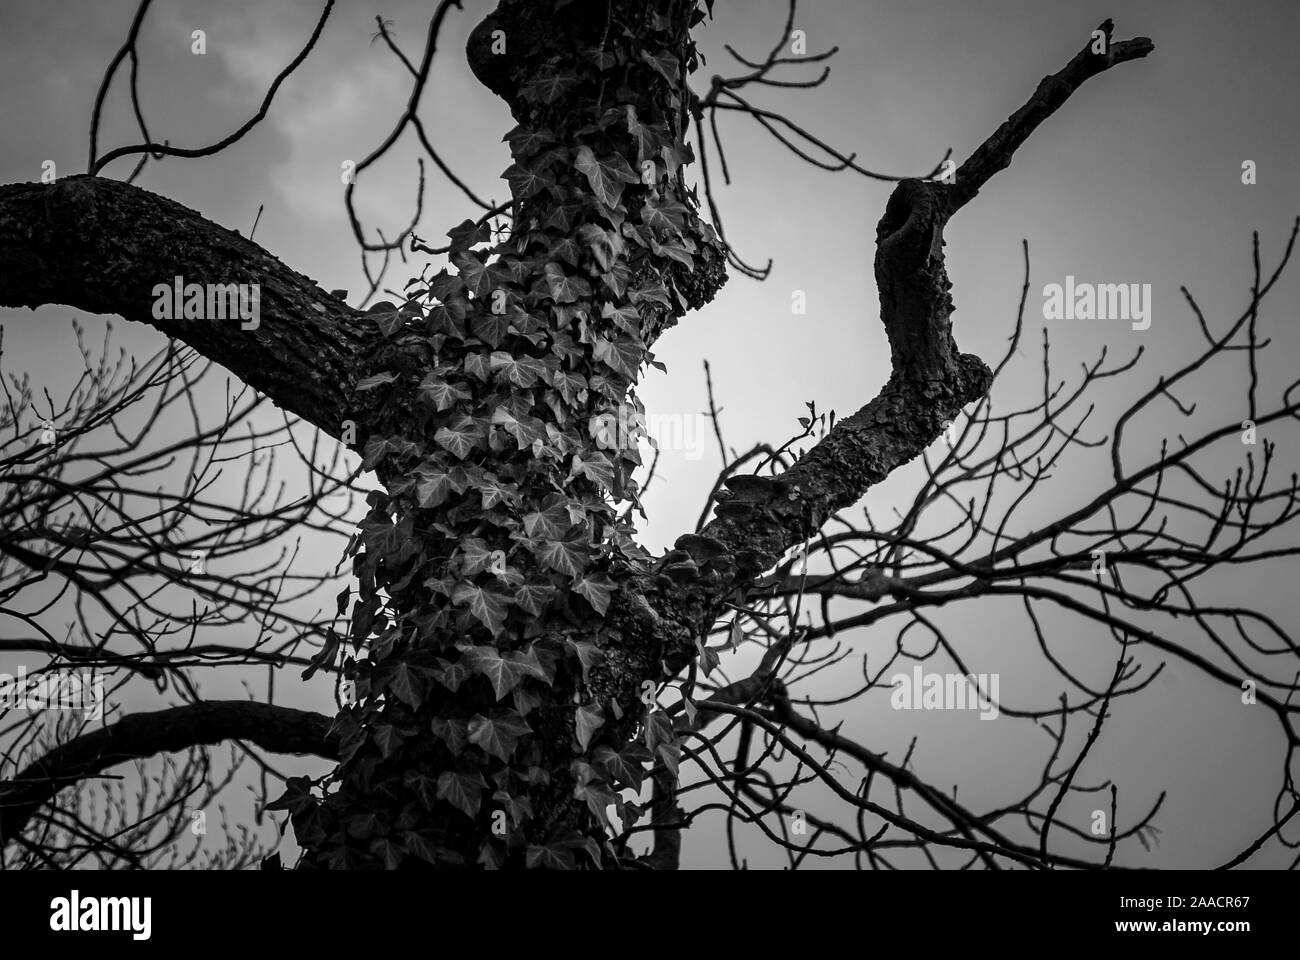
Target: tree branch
{"type": "Point", "coordinates": [931, 380]}
{"type": "Point", "coordinates": [101, 246]}
{"type": "Point", "coordinates": [996, 152]}
{"type": "Point", "coordinates": [274, 728]}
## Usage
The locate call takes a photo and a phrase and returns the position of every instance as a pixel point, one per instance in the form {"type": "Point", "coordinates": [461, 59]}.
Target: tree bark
{"type": "Point", "coordinates": [102, 246]}
{"type": "Point", "coordinates": [274, 728]}
{"type": "Point", "coordinates": [507, 627]}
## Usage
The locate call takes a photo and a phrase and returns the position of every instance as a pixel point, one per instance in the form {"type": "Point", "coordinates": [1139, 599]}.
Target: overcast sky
{"type": "Point", "coordinates": [1136, 180]}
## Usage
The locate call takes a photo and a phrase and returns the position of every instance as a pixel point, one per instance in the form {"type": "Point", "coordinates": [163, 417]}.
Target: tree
{"type": "Point", "coordinates": [509, 642]}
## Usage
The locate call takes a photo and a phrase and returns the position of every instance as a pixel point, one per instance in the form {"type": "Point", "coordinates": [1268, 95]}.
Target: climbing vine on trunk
{"type": "Point", "coordinates": [502, 422]}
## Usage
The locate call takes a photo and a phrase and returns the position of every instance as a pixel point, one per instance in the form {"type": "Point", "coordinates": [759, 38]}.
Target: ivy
{"type": "Point", "coordinates": [606, 176]}
{"type": "Point", "coordinates": [488, 565]}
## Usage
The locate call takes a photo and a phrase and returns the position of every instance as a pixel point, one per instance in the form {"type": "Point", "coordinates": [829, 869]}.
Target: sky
{"type": "Point", "coordinates": [1138, 179]}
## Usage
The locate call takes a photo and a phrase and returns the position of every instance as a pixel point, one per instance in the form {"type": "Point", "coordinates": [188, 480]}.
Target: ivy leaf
{"type": "Point", "coordinates": [424, 786]}
{"type": "Point", "coordinates": [505, 673]}
{"type": "Point", "coordinates": [389, 738]}
{"type": "Point", "coordinates": [648, 139]}
{"type": "Point", "coordinates": [626, 317]}
{"type": "Point", "coordinates": [673, 159]}
{"type": "Point", "coordinates": [487, 606]}
{"type": "Point", "coordinates": [462, 790]}
{"type": "Point", "coordinates": [664, 63]}
{"type": "Point", "coordinates": [296, 798]}
{"type": "Point", "coordinates": [527, 661]}
{"type": "Point", "coordinates": [460, 437]}
{"type": "Point", "coordinates": [572, 386]}
{"type": "Point", "coordinates": [375, 380]}
{"type": "Point", "coordinates": [442, 392]}
{"type": "Point", "coordinates": [565, 289]}
{"type": "Point", "coordinates": [495, 492]}
{"type": "Point", "coordinates": [551, 523]}
{"type": "Point", "coordinates": [566, 249]}
{"type": "Point", "coordinates": [606, 245]}
{"type": "Point", "coordinates": [598, 796]}
{"type": "Point", "coordinates": [597, 589]}
{"type": "Point", "coordinates": [390, 851]}
{"type": "Point", "coordinates": [625, 768]}
{"type": "Point", "coordinates": [527, 140]}
{"type": "Point", "coordinates": [623, 354]}
{"type": "Point", "coordinates": [675, 251]}
{"type": "Point", "coordinates": [649, 292]}
{"type": "Point", "coordinates": [522, 372]}
{"type": "Point", "coordinates": [491, 328]}
{"type": "Point", "coordinates": [446, 320]}
{"type": "Point", "coordinates": [669, 215]}
{"type": "Point", "coordinates": [737, 635]}
{"type": "Point", "coordinates": [433, 486]}
{"type": "Point", "coordinates": [454, 733]}
{"type": "Point", "coordinates": [549, 87]}
{"type": "Point", "coordinates": [362, 825]}
{"type": "Point", "coordinates": [451, 675]}
{"type": "Point", "coordinates": [606, 177]}
{"type": "Point", "coordinates": [561, 218]}
{"type": "Point", "coordinates": [363, 618]}
{"type": "Point", "coordinates": [474, 273]}
{"type": "Point", "coordinates": [670, 754]}
{"type": "Point", "coordinates": [526, 700]}
{"type": "Point", "coordinates": [388, 320]}
{"type": "Point", "coordinates": [708, 657]}
{"type": "Point", "coordinates": [424, 847]}
{"type": "Point", "coordinates": [476, 365]}
{"type": "Point", "coordinates": [525, 181]}
{"type": "Point", "coordinates": [616, 278]}
{"type": "Point", "coordinates": [568, 556]}
{"type": "Point", "coordinates": [462, 478]}
{"type": "Point", "coordinates": [691, 709]}
{"type": "Point", "coordinates": [518, 809]}
{"type": "Point", "coordinates": [595, 466]}
{"type": "Point", "coordinates": [446, 285]}
{"type": "Point", "coordinates": [549, 857]}
{"type": "Point", "coordinates": [533, 596]}
{"type": "Point", "coordinates": [477, 556]}
{"type": "Point", "coordinates": [408, 683]}
{"type": "Point", "coordinates": [575, 841]}
{"type": "Point", "coordinates": [527, 431]}
{"type": "Point", "coordinates": [381, 535]}
{"type": "Point", "coordinates": [497, 737]}
{"type": "Point", "coordinates": [329, 651]}
{"type": "Point", "coordinates": [490, 855]}
{"type": "Point", "coordinates": [658, 730]}
{"type": "Point", "coordinates": [588, 654]}
{"type": "Point", "coordinates": [343, 858]}
{"type": "Point", "coordinates": [588, 719]}
{"type": "Point", "coordinates": [468, 233]}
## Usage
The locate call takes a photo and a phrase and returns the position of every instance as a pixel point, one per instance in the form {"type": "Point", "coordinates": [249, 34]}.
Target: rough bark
{"type": "Point", "coordinates": [455, 594]}
{"type": "Point", "coordinates": [101, 246]}
{"type": "Point", "coordinates": [274, 728]}
{"type": "Point", "coordinates": [931, 381]}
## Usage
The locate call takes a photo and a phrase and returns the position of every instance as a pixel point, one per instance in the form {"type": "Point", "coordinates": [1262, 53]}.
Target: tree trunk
{"type": "Point", "coordinates": [501, 684]}
{"type": "Point", "coordinates": [508, 632]}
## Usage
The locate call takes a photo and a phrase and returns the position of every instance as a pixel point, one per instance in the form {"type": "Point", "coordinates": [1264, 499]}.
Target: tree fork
{"type": "Point", "coordinates": [510, 622]}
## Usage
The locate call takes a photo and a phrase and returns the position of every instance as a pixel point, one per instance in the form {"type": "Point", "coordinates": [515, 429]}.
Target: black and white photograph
{"type": "Point", "coordinates": [653, 436]}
